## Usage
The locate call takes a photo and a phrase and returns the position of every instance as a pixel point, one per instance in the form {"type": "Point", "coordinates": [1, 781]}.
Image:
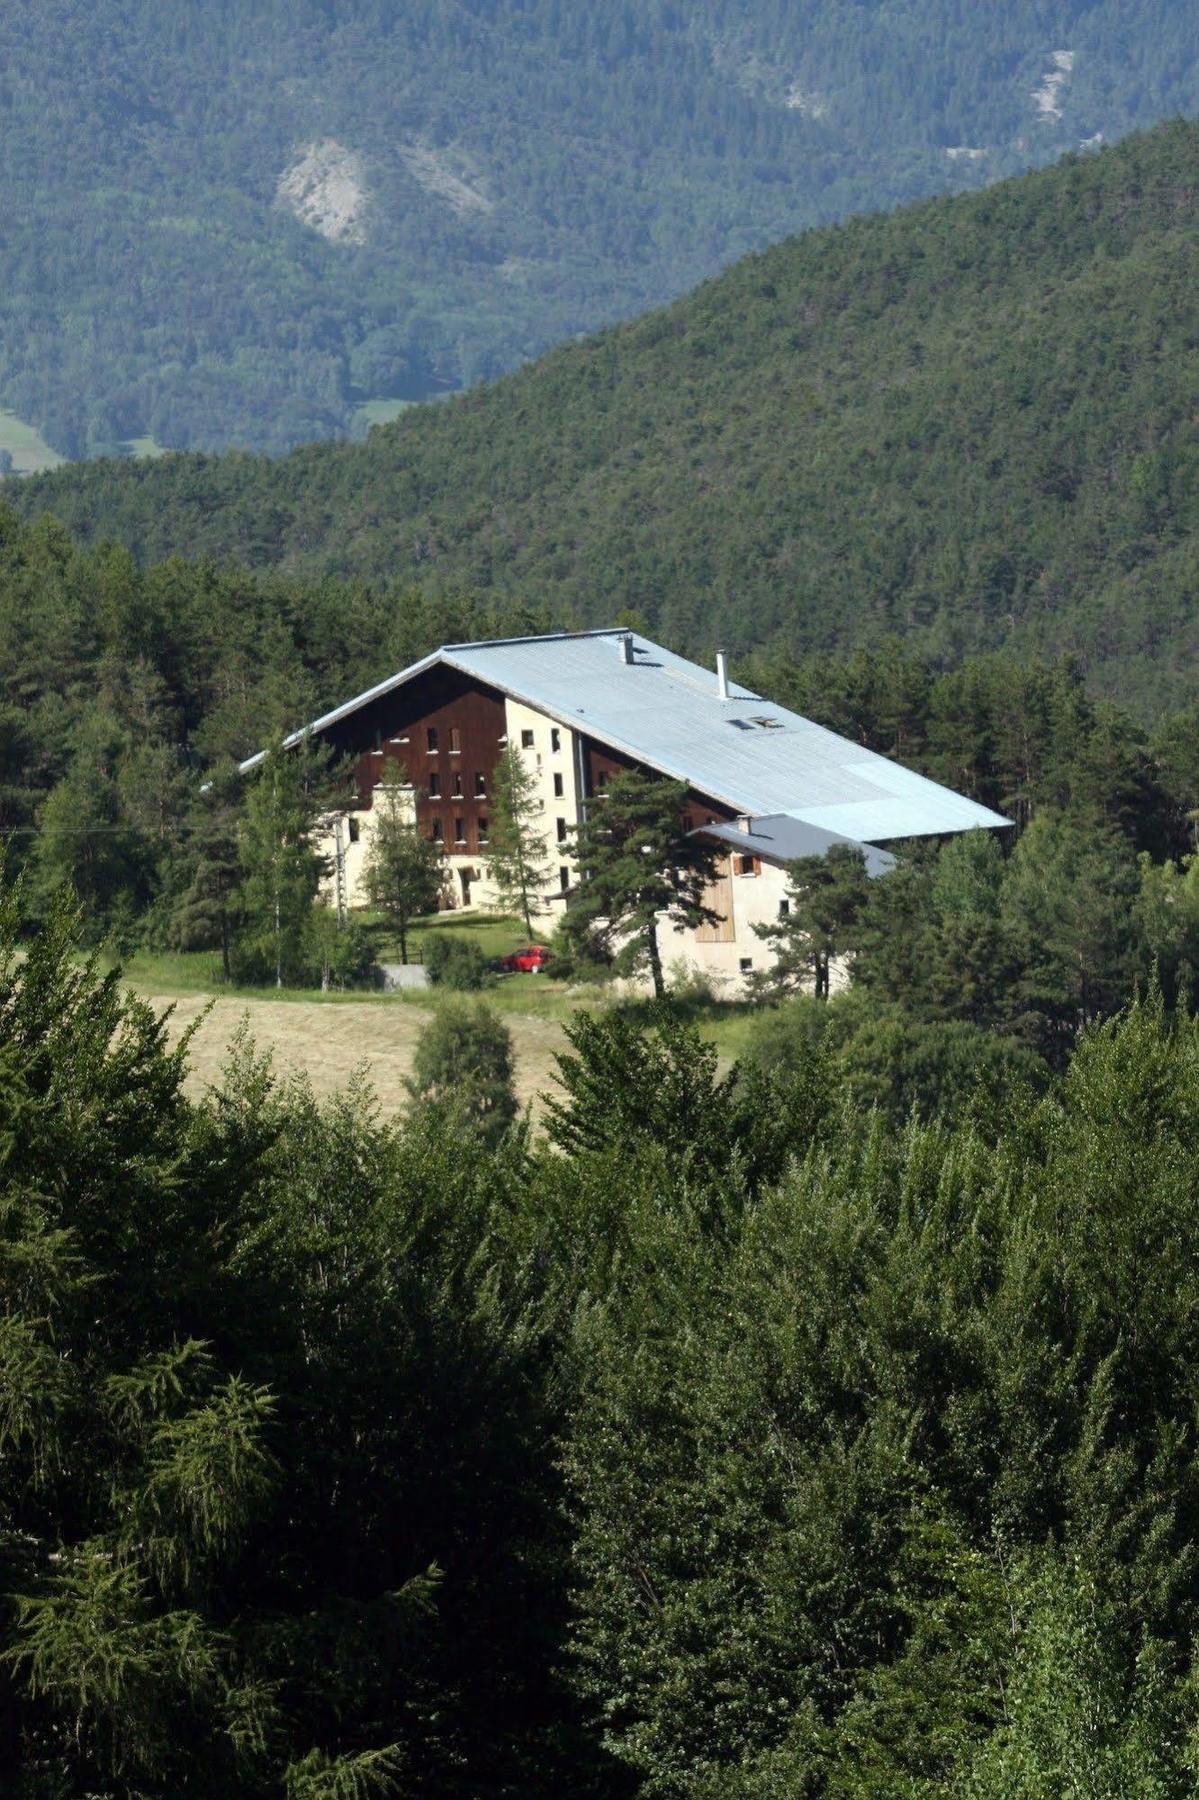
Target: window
{"type": "Point", "coordinates": [555, 738]}
{"type": "Point", "coordinates": [526, 740]}
{"type": "Point", "coordinates": [431, 740]}
{"type": "Point", "coordinates": [601, 779]}
{"type": "Point", "coordinates": [480, 786]}
{"type": "Point", "coordinates": [355, 829]}
{"type": "Point", "coordinates": [561, 823]}
{"type": "Point", "coordinates": [687, 822]}
{"type": "Point", "coordinates": [784, 909]}
{"type": "Point", "coordinates": [455, 740]}
{"type": "Point", "coordinates": [747, 963]}
{"type": "Point", "coordinates": [482, 831]}
{"type": "Point", "coordinates": [434, 786]}
{"type": "Point", "coordinates": [460, 831]}
{"type": "Point", "coordinates": [437, 833]}
{"type": "Point", "coordinates": [746, 865]}
{"type": "Point", "coordinates": [457, 786]}
{"type": "Point", "coordinates": [559, 790]}
{"type": "Point", "coordinates": [563, 879]}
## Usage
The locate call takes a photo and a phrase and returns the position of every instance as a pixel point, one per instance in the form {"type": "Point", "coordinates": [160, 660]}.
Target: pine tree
{"type": "Point", "coordinates": [639, 864]}
{"type": "Point", "coordinates": [208, 909]}
{"type": "Point", "coordinates": [517, 858]}
{"type": "Point", "coordinates": [281, 869]}
{"type": "Point", "coordinates": [404, 873]}
{"type": "Point", "coordinates": [826, 896]}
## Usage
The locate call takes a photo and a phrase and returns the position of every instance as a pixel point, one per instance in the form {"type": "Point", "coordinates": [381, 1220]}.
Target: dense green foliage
{"type": "Point", "coordinates": [970, 424]}
{"type": "Point", "coordinates": [731, 1442]}
{"type": "Point", "coordinates": [528, 170]}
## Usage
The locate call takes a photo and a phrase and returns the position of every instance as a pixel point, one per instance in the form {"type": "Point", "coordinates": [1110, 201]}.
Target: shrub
{"type": "Point", "coordinates": [455, 962]}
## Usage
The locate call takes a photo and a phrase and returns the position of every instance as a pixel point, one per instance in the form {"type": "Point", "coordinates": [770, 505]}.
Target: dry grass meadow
{"type": "Point", "coordinates": [328, 1042]}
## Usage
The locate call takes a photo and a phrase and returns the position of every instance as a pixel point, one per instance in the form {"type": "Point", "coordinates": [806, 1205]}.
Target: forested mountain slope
{"type": "Point", "coordinates": [240, 222]}
{"type": "Point", "coordinates": [970, 423]}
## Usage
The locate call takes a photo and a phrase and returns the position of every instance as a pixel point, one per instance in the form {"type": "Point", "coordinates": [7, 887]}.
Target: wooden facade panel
{"type": "Point", "coordinates": [719, 896]}
{"type": "Point", "coordinates": [391, 737]}
{"type": "Point", "coordinates": [600, 764]}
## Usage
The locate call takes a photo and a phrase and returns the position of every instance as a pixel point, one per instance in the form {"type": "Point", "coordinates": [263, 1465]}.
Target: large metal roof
{"type": "Point", "coordinates": [755, 756]}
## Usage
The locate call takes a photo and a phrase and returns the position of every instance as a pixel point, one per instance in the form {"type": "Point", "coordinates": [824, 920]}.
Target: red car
{"type": "Point", "coordinates": [529, 961]}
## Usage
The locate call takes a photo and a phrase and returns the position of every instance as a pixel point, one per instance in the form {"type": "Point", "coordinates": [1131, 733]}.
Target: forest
{"type": "Point", "coordinates": [525, 171]}
{"type": "Point", "coordinates": [971, 425]}
{"type": "Point", "coordinates": [721, 1437]}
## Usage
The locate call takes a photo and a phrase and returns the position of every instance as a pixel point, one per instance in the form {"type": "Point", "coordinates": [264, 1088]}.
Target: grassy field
{"type": "Point", "coordinates": [145, 446]}
{"type": "Point", "coordinates": [30, 451]}
{"type": "Point", "coordinates": [328, 1036]}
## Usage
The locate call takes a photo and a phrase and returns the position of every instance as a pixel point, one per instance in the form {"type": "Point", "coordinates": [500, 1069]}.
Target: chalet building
{"type": "Point", "coordinates": [763, 783]}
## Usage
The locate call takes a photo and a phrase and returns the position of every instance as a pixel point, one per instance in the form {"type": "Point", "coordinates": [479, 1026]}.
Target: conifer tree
{"type": "Point", "coordinates": [404, 873]}
{"type": "Point", "coordinates": [518, 861]}
{"type": "Point", "coordinates": [826, 896]}
{"type": "Point", "coordinates": [280, 865]}
{"type": "Point", "coordinates": [639, 864]}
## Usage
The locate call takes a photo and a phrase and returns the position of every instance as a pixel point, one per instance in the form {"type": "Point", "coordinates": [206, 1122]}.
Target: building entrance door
{"type": "Point", "coordinates": [466, 876]}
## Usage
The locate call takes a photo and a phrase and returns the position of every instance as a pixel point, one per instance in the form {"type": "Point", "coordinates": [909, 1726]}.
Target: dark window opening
{"type": "Point", "coordinates": [559, 790]}
{"type": "Point", "coordinates": [555, 738]}
{"type": "Point", "coordinates": [455, 740]}
{"type": "Point", "coordinates": [561, 823]}
{"type": "Point", "coordinates": [526, 740]}
{"type": "Point", "coordinates": [747, 963]}
{"type": "Point", "coordinates": [434, 786]}
{"type": "Point", "coordinates": [747, 865]}
{"type": "Point", "coordinates": [460, 831]}
{"type": "Point", "coordinates": [784, 909]}
{"type": "Point", "coordinates": [563, 878]}
{"type": "Point", "coordinates": [437, 833]}
{"type": "Point", "coordinates": [355, 830]}
{"type": "Point", "coordinates": [480, 786]}
{"type": "Point", "coordinates": [687, 822]}
{"type": "Point", "coordinates": [457, 786]}
{"type": "Point", "coordinates": [482, 831]}
{"type": "Point", "coordinates": [601, 780]}
{"type": "Point", "coordinates": [431, 738]}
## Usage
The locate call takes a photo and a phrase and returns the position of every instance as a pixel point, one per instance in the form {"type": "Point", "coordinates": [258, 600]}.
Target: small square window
{"type": "Point", "coordinates": [747, 963]}
{"type": "Point", "coordinates": [431, 739]}
{"type": "Point", "coordinates": [559, 790]}
{"type": "Point", "coordinates": [784, 909]}
{"type": "Point", "coordinates": [460, 831]}
{"type": "Point", "coordinates": [482, 831]}
{"type": "Point", "coordinates": [601, 780]}
{"type": "Point", "coordinates": [746, 865]}
{"type": "Point", "coordinates": [561, 824]}
{"type": "Point", "coordinates": [434, 785]}
{"type": "Point", "coordinates": [555, 738]}
{"type": "Point", "coordinates": [437, 832]}
{"type": "Point", "coordinates": [480, 786]}
{"type": "Point", "coordinates": [455, 740]}
{"type": "Point", "coordinates": [563, 878]}
{"type": "Point", "coordinates": [526, 740]}
{"type": "Point", "coordinates": [456, 786]}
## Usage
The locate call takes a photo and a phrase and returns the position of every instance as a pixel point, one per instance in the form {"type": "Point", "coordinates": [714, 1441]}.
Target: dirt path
{"type": "Point", "coordinates": [329, 1042]}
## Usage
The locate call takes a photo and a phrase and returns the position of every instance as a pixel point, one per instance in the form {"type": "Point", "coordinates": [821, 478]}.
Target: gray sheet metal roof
{"type": "Point", "coordinates": [750, 753]}
{"type": "Point", "coordinates": [780, 839]}
{"type": "Point", "coordinates": [756, 756]}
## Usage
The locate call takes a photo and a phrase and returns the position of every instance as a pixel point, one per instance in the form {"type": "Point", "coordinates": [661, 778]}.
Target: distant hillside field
{"type": "Point", "coordinates": [245, 223]}
{"type": "Point", "coordinates": [972, 423]}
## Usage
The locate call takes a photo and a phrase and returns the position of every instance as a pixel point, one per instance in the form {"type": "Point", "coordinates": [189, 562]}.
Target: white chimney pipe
{"type": "Point", "coordinates": [722, 675]}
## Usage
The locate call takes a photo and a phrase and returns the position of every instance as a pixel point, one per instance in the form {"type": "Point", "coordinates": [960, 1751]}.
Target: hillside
{"type": "Point", "coordinates": [970, 423]}
{"type": "Point", "coordinates": [254, 223]}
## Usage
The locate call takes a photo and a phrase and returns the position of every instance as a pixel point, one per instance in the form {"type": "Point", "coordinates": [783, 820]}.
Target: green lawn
{"type": "Point", "coordinates": [30, 451]}
{"type": "Point", "coordinates": [727, 1024]}
{"type": "Point", "coordinates": [145, 446]}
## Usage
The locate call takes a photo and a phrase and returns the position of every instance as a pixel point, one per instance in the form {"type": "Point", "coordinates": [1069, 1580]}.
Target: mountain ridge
{"type": "Point", "coordinates": [970, 423]}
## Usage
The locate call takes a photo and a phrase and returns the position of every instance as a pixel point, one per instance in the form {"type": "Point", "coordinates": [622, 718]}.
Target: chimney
{"type": "Point", "coordinates": [626, 646]}
{"type": "Point", "coordinates": [722, 675]}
